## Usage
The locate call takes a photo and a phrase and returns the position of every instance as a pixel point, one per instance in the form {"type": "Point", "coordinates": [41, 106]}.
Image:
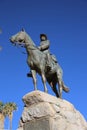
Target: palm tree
{"type": "Point", "coordinates": [2, 116]}
{"type": "Point", "coordinates": [9, 108]}
{"type": "Point", "coordinates": [1, 106]}
{"type": "Point", "coordinates": [8, 111]}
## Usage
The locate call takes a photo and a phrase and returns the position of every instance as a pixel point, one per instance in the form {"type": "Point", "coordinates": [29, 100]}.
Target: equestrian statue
{"type": "Point", "coordinates": [41, 61]}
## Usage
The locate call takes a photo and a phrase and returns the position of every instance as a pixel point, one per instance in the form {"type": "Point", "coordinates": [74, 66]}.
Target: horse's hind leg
{"type": "Point", "coordinates": [59, 85]}
{"type": "Point", "coordinates": [34, 79]}
{"type": "Point", "coordinates": [53, 86]}
{"type": "Point", "coordinates": [60, 88]}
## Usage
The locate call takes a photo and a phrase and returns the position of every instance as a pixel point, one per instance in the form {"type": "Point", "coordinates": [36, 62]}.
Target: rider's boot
{"type": "Point", "coordinates": [48, 63]}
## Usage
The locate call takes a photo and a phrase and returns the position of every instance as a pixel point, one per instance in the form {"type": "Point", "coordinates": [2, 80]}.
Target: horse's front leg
{"type": "Point", "coordinates": [34, 79]}
{"type": "Point", "coordinates": [44, 82]}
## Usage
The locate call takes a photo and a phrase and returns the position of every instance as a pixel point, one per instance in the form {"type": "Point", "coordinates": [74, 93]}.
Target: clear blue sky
{"type": "Point", "coordinates": [65, 23]}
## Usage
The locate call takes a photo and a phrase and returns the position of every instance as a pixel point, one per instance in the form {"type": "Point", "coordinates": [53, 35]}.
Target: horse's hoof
{"type": "Point", "coordinates": [46, 91]}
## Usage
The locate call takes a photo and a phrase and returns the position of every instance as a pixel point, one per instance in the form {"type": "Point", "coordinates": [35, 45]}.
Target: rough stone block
{"type": "Point", "coordinates": [45, 112]}
{"type": "Point", "coordinates": [40, 124]}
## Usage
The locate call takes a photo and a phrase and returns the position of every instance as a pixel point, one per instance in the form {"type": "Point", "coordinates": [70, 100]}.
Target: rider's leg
{"type": "Point", "coordinates": [48, 62]}
{"type": "Point", "coordinates": [54, 58]}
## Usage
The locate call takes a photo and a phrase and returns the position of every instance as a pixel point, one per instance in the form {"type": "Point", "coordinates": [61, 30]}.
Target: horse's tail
{"type": "Point", "coordinates": [66, 89]}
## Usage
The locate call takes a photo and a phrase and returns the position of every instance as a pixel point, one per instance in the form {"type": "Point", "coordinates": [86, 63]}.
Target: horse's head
{"type": "Point", "coordinates": [18, 38]}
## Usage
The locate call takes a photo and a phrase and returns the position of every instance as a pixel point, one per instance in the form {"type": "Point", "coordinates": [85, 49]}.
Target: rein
{"type": "Point", "coordinates": [20, 49]}
{"type": "Point", "coordinates": [33, 47]}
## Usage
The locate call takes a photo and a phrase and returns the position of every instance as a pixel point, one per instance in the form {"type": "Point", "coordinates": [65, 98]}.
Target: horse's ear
{"type": "Point", "coordinates": [23, 30]}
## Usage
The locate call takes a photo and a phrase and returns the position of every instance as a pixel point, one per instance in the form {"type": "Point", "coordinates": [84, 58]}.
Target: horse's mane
{"type": "Point", "coordinates": [30, 40]}
{"type": "Point", "coordinates": [35, 48]}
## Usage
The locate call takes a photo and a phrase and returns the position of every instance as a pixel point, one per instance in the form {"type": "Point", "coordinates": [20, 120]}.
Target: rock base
{"type": "Point", "coordinates": [45, 112]}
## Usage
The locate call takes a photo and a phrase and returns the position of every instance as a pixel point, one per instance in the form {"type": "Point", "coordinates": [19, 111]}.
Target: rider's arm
{"type": "Point", "coordinates": [44, 45]}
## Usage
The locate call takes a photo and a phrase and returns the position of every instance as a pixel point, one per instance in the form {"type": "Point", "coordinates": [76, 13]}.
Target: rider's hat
{"type": "Point", "coordinates": [43, 37]}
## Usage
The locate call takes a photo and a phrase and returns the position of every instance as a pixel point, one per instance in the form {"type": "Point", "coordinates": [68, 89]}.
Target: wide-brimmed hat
{"type": "Point", "coordinates": [43, 35]}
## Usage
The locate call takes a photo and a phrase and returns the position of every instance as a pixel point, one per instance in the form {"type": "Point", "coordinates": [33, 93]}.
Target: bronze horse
{"type": "Point", "coordinates": [37, 62]}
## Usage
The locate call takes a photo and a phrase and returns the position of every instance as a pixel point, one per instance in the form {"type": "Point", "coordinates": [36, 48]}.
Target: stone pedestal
{"type": "Point", "coordinates": [45, 112]}
{"type": "Point", "coordinates": [39, 124]}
